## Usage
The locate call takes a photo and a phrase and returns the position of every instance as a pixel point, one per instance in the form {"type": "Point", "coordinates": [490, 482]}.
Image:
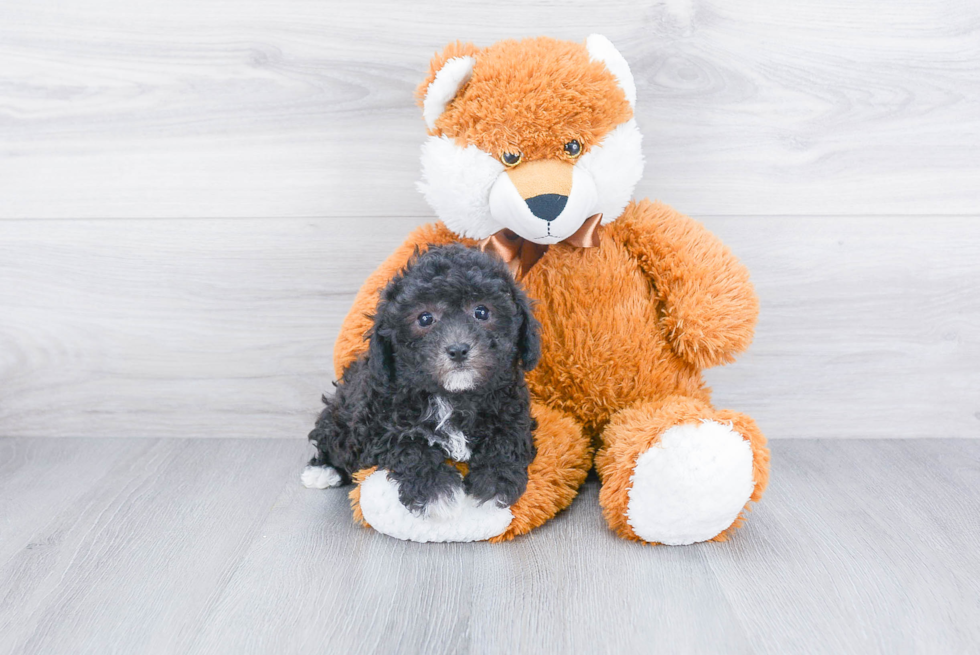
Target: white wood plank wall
{"type": "Point", "coordinates": [192, 191]}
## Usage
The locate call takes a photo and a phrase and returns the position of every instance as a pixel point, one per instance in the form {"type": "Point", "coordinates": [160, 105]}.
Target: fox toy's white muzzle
{"type": "Point", "coordinates": [543, 201]}
{"type": "Point", "coordinates": [475, 195]}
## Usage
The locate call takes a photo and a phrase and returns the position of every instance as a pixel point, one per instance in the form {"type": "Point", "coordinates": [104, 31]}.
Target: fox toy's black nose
{"type": "Point", "coordinates": [458, 351]}
{"type": "Point", "coordinates": [547, 206]}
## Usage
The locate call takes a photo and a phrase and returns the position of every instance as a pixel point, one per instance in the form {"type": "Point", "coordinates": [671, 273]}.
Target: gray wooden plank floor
{"type": "Point", "coordinates": [211, 546]}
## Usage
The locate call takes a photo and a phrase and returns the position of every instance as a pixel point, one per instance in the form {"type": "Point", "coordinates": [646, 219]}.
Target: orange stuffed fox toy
{"type": "Point", "coordinates": [533, 153]}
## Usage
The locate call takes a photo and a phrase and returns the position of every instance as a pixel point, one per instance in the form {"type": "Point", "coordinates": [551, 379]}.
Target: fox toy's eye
{"type": "Point", "coordinates": [482, 313]}
{"type": "Point", "coordinates": [573, 148]}
{"type": "Point", "coordinates": [425, 319]}
{"type": "Point", "coordinates": [510, 158]}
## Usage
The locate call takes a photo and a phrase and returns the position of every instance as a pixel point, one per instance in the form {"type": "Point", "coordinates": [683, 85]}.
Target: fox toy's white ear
{"type": "Point", "coordinates": [601, 49]}
{"type": "Point", "coordinates": [449, 80]}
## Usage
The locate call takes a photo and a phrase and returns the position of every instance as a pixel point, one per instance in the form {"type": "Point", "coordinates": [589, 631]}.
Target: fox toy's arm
{"type": "Point", "coordinates": [350, 342]}
{"type": "Point", "coordinates": [709, 305]}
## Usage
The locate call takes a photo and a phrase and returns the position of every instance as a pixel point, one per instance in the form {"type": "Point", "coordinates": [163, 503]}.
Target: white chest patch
{"type": "Point", "coordinates": [450, 438]}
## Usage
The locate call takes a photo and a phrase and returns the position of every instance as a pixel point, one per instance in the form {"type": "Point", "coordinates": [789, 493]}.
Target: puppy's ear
{"type": "Point", "coordinates": [381, 355]}
{"type": "Point", "coordinates": [381, 350]}
{"type": "Point", "coordinates": [529, 333]}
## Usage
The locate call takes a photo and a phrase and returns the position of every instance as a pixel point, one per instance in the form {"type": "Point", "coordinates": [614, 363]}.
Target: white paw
{"type": "Point", "coordinates": [468, 520]}
{"type": "Point", "coordinates": [692, 485]}
{"type": "Point", "coordinates": [320, 477]}
{"type": "Point", "coordinates": [445, 508]}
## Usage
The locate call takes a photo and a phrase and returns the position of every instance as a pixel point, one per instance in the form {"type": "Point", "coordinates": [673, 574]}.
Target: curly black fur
{"type": "Point", "coordinates": [453, 387]}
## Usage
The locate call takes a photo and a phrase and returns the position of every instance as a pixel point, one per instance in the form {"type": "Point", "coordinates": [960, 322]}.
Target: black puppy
{"type": "Point", "coordinates": [443, 378]}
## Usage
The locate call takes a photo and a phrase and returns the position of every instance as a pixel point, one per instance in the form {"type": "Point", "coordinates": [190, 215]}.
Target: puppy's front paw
{"type": "Point", "coordinates": [435, 495]}
{"type": "Point", "coordinates": [446, 507]}
{"type": "Point", "coordinates": [383, 511]}
{"type": "Point", "coordinates": [503, 486]}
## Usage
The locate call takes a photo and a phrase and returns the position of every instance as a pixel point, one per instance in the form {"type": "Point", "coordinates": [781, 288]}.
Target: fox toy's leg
{"type": "Point", "coordinates": [558, 470]}
{"type": "Point", "coordinates": [562, 462]}
{"type": "Point", "coordinates": [677, 471]}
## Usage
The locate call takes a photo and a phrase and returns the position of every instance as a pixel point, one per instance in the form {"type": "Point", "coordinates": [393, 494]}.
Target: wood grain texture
{"type": "Point", "coordinates": [297, 108]}
{"type": "Point", "coordinates": [225, 327]}
{"type": "Point", "coordinates": [868, 326]}
{"type": "Point", "coordinates": [134, 564]}
{"type": "Point", "coordinates": [203, 546]}
{"type": "Point", "coordinates": [45, 479]}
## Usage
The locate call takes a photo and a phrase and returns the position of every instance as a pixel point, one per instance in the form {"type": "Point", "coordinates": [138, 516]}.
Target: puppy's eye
{"type": "Point", "coordinates": [481, 313]}
{"type": "Point", "coordinates": [573, 148]}
{"type": "Point", "coordinates": [510, 158]}
{"type": "Point", "coordinates": [425, 319]}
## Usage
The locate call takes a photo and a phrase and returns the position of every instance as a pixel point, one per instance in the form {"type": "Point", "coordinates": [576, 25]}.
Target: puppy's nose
{"type": "Point", "coordinates": [458, 351]}
{"type": "Point", "coordinates": [547, 206]}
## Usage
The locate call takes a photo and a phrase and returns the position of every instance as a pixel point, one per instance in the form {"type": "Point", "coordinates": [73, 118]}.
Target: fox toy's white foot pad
{"type": "Point", "coordinates": [320, 477]}
{"type": "Point", "coordinates": [469, 521]}
{"type": "Point", "coordinates": [692, 485]}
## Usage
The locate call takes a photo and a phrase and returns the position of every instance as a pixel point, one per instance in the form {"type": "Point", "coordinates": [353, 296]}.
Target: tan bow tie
{"type": "Point", "coordinates": [520, 254]}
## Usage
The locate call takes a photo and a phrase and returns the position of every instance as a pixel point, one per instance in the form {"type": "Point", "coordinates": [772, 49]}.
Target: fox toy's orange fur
{"type": "Point", "coordinates": [487, 116]}
{"type": "Point", "coordinates": [628, 326]}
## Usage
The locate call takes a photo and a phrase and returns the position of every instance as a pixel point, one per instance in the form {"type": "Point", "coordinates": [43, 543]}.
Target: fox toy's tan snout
{"type": "Point", "coordinates": [544, 185]}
